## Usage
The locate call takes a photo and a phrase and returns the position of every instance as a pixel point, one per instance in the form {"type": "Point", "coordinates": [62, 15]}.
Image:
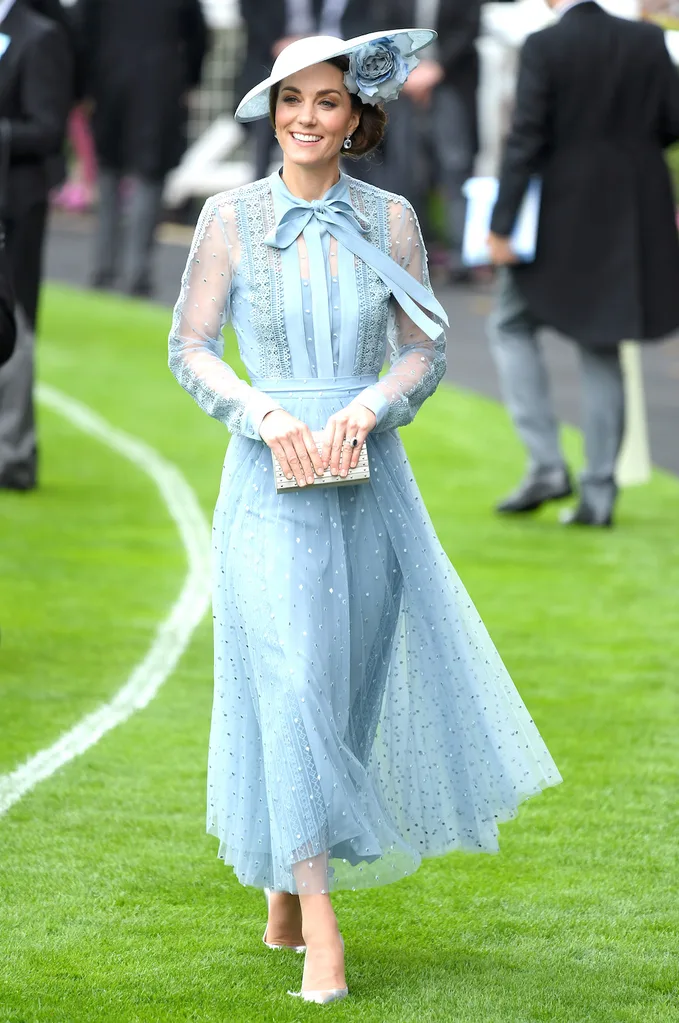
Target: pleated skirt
{"type": "Point", "coordinates": [362, 716]}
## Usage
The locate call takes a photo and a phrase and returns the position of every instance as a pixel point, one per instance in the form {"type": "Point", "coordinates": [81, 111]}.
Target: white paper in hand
{"type": "Point", "coordinates": [481, 194]}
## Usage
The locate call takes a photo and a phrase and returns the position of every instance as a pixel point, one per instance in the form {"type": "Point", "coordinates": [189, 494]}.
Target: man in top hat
{"type": "Point", "coordinates": [597, 103]}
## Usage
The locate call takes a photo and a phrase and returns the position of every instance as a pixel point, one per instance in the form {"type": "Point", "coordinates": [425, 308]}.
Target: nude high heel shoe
{"type": "Point", "coordinates": [322, 997]}
{"type": "Point", "coordinates": [277, 948]}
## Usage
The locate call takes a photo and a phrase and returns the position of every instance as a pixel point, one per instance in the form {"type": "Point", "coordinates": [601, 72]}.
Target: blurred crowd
{"type": "Point", "coordinates": [131, 66]}
{"type": "Point", "coordinates": [110, 81]}
{"type": "Point", "coordinates": [124, 105]}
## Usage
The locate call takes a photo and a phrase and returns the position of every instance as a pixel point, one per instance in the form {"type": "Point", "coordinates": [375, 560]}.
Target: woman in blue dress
{"type": "Point", "coordinates": [362, 719]}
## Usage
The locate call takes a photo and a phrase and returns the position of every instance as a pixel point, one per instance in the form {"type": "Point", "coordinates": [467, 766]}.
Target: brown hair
{"type": "Point", "coordinates": [370, 130]}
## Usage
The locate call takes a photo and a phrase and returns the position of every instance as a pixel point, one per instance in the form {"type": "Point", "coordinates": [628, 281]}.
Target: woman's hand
{"type": "Point", "coordinates": [292, 444]}
{"type": "Point", "coordinates": [352, 423]}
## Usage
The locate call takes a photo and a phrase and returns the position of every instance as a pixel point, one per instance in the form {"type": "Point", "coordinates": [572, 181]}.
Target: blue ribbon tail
{"type": "Point", "coordinates": [410, 294]}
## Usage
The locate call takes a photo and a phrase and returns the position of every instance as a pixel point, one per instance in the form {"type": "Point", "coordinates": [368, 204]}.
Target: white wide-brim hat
{"type": "Point", "coordinates": [316, 49]}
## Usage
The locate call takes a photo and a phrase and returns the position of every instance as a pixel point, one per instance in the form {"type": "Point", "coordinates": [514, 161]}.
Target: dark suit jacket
{"type": "Point", "coordinates": [142, 58]}
{"type": "Point", "coordinates": [36, 88]}
{"type": "Point", "coordinates": [54, 10]}
{"type": "Point", "coordinates": [597, 102]}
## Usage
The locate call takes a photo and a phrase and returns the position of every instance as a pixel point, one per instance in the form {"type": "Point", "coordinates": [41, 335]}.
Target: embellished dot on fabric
{"type": "Point", "coordinates": [362, 717]}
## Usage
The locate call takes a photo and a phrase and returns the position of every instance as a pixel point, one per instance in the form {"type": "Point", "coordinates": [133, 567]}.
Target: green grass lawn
{"type": "Point", "coordinates": [113, 905]}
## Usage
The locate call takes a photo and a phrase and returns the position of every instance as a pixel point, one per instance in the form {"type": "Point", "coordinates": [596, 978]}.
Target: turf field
{"type": "Point", "coordinates": [113, 905]}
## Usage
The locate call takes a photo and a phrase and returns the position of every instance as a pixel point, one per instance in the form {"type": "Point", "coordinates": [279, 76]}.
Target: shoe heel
{"type": "Point", "coordinates": [321, 997]}
{"type": "Point", "coordinates": [278, 948]}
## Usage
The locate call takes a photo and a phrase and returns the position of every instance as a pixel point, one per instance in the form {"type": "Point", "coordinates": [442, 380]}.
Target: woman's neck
{"type": "Point", "coordinates": [310, 183]}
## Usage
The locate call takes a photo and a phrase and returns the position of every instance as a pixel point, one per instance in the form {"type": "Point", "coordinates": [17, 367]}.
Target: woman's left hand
{"type": "Point", "coordinates": [352, 423]}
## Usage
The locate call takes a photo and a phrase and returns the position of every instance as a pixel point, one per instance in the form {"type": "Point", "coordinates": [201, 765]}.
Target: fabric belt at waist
{"type": "Point", "coordinates": [317, 386]}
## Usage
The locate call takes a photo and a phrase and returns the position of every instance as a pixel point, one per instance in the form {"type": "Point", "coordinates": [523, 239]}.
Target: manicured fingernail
{"type": "Point", "coordinates": [309, 479]}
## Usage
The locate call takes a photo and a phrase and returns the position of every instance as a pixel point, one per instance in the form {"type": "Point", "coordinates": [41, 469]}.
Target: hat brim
{"type": "Point", "coordinates": [255, 104]}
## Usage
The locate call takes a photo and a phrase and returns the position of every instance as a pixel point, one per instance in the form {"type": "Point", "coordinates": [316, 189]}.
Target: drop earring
{"type": "Point", "coordinates": [347, 142]}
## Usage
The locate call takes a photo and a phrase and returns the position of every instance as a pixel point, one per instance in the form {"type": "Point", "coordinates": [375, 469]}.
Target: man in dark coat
{"type": "Point", "coordinates": [142, 59]}
{"type": "Point", "coordinates": [597, 102]}
{"type": "Point", "coordinates": [432, 136]}
{"type": "Point", "coordinates": [36, 82]}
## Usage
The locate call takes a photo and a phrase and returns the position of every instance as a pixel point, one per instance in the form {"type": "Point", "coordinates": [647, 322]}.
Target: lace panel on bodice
{"type": "Point", "coordinates": [373, 294]}
{"type": "Point", "coordinates": [261, 268]}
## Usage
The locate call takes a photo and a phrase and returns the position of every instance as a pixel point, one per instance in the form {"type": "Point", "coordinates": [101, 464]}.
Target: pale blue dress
{"type": "Point", "coordinates": [362, 717]}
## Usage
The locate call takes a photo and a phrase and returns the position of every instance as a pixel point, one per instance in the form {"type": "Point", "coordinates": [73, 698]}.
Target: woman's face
{"type": "Point", "coordinates": [314, 115]}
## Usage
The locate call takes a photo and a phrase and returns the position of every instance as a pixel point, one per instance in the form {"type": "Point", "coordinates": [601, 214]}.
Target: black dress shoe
{"type": "Point", "coordinates": [141, 288]}
{"type": "Point", "coordinates": [17, 484]}
{"type": "Point", "coordinates": [102, 280]}
{"type": "Point", "coordinates": [535, 491]}
{"type": "Point", "coordinates": [584, 515]}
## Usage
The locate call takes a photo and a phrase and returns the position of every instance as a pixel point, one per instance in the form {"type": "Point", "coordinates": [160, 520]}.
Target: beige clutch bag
{"type": "Point", "coordinates": [361, 474]}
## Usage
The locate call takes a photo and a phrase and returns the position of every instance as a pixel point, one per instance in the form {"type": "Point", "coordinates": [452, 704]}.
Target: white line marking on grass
{"type": "Point", "coordinates": [173, 635]}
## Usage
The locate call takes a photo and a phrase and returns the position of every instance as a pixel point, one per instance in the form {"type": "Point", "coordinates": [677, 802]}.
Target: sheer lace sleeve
{"type": "Point", "coordinates": [417, 362]}
{"type": "Point", "coordinates": [196, 344]}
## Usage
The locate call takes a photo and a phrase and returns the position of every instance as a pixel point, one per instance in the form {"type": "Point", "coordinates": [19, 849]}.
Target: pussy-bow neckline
{"type": "Point", "coordinates": [335, 214]}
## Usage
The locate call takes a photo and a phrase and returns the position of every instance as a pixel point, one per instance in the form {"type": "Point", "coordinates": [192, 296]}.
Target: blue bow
{"type": "Point", "coordinates": [329, 212]}
{"type": "Point", "coordinates": [340, 219]}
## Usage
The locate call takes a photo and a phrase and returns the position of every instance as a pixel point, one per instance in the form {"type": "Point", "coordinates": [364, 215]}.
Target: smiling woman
{"type": "Point", "coordinates": [362, 719]}
{"type": "Point", "coordinates": [335, 113]}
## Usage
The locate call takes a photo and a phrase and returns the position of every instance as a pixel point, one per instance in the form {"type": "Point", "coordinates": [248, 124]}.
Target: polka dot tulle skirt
{"type": "Point", "coordinates": [363, 719]}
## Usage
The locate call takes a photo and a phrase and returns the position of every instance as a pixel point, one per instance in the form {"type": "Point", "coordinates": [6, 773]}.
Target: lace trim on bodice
{"type": "Point", "coordinates": [261, 268]}
{"type": "Point", "coordinates": [373, 294]}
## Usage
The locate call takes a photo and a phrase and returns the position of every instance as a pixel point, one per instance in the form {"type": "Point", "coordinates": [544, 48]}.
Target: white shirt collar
{"type": "Point", "coordinates": [566, 5]}
{"type": "Point", "coordinates": [5, 7]}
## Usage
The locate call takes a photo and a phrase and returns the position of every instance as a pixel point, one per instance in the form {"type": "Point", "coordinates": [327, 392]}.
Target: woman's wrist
{"type": "Point", "coordinates": [373, 399]}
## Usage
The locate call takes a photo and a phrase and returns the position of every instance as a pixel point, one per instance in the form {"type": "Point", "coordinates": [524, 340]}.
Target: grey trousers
{"type": "Point", "coordinates": [18, 443]}
{"type": "Point", "coordinates": [131, 242]}
{"type": "Point", "coordinates": [524, 383]}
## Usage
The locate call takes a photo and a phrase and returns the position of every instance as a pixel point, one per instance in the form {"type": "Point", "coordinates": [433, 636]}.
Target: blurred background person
{"type": "Point", "coordinates": [78, 191]}
{"type": "Point", "coordinates": [142, 60]}
{"type": "Point", "coordinates": [432, 138]}
{"type": "Point", "coordinates": [36, 91]}
{"type": "Point", "coordinates": [270, 25]}
{"type": "Point", "coordinates": [8, 326]}
{"type": "Point", "coordinates": [607, 264]}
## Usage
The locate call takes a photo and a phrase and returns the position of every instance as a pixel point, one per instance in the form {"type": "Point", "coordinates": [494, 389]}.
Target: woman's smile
{"type": "Point", "coordinates": [304, 139]}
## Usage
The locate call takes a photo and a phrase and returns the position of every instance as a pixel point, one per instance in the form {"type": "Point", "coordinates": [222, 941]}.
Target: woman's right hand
{"type": "Point", "coordinates": [293, 445]}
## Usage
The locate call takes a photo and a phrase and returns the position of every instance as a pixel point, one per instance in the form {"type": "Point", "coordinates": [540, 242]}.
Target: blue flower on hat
{"type": "Point", "coordinates": [378, 70]}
